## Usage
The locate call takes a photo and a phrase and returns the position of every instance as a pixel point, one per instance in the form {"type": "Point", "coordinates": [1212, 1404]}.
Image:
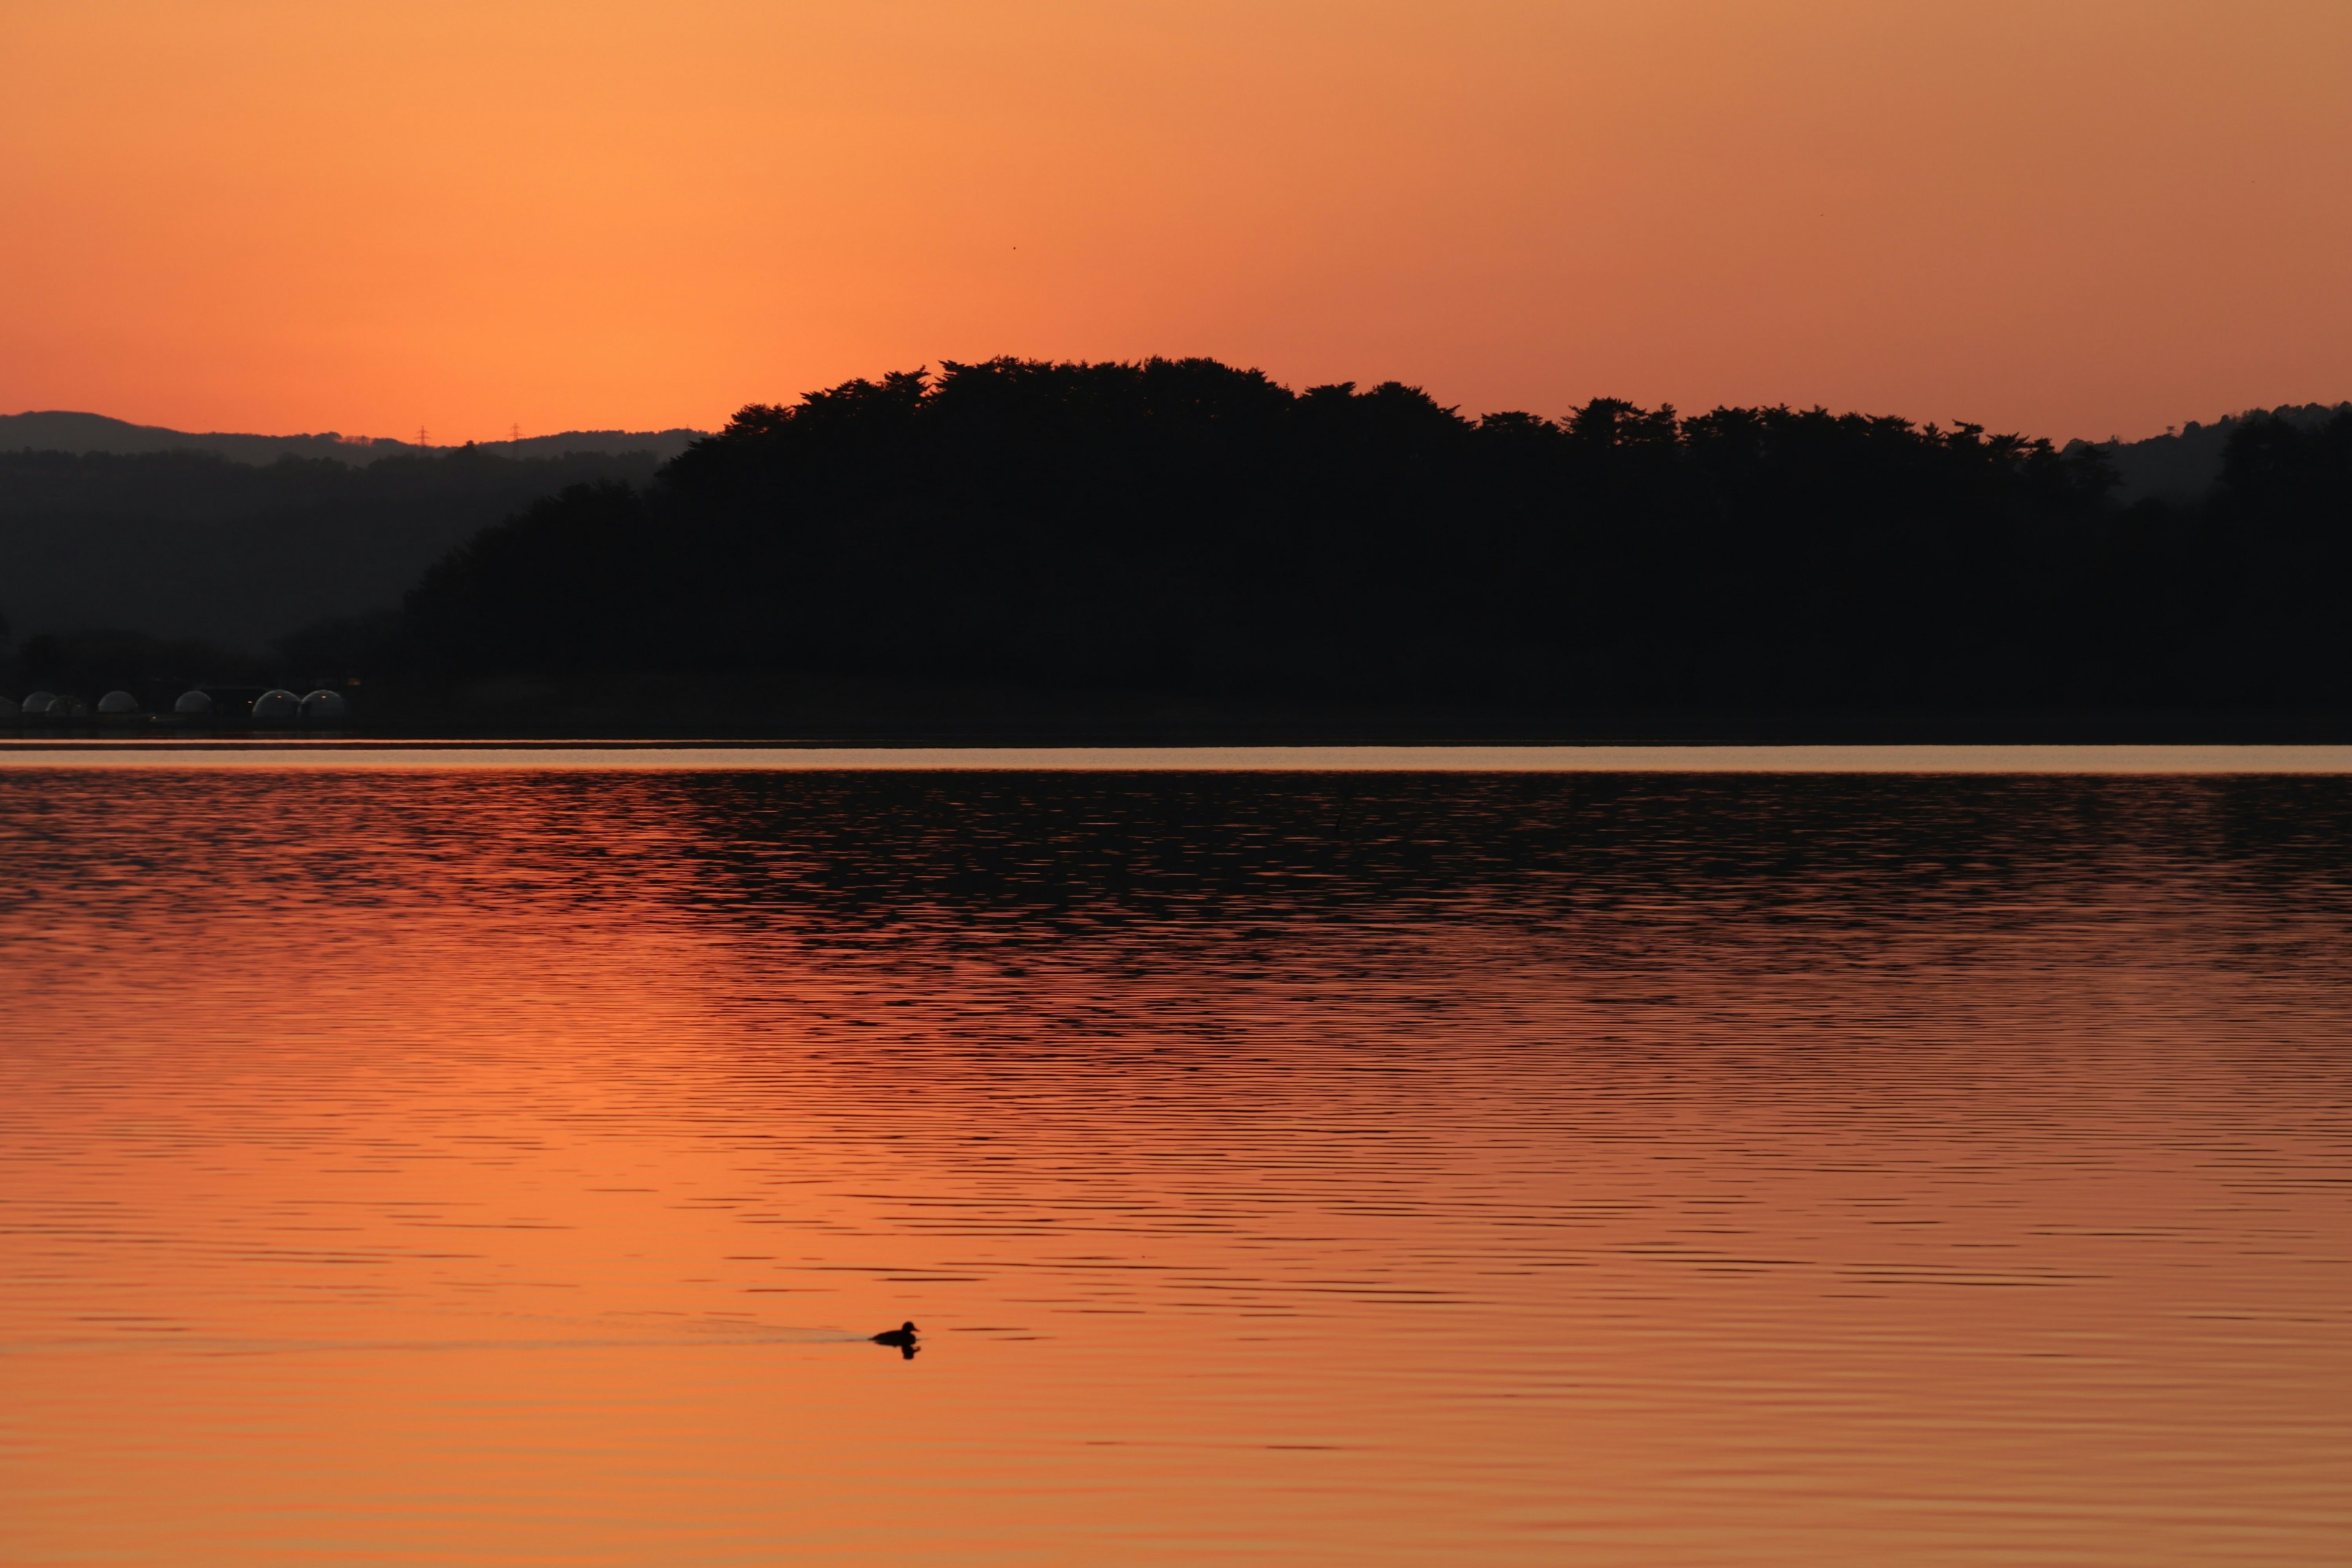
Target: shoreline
{"type": "Point", "coordinates": [667, 756]}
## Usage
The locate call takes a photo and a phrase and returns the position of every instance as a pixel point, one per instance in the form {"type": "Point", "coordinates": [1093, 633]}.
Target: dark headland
{"type": "Point", "coordinates": [1182, 551]}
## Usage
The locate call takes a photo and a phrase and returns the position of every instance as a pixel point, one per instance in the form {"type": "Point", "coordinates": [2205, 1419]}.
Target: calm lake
{"type": "Point", "coordinates": [461, 1163]}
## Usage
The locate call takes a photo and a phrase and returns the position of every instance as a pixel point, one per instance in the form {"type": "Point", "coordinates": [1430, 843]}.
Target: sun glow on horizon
{"type": "Point", "coordinates": [2101, 218]}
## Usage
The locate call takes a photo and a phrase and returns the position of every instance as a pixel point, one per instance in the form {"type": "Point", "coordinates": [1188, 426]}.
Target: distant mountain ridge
{"type": "Point", "coordinates": [58, 430]}
{"type": "Point", "coordinates": [2180, 465]}
{"type": "Point", "coordinates": [241, 540]}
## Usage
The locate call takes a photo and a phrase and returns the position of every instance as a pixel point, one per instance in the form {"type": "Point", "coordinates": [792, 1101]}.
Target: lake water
{"type": "Point", "coordinates": [447, 1163]}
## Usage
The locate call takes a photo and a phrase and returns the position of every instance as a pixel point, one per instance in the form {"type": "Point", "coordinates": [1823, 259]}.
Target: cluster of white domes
{"type": "Point", "coordinates": [53, 705]}
{"type": "Point", "coordinates": [276, 706]}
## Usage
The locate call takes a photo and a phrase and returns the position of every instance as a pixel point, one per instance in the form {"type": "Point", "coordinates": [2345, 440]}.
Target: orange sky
{"type": "Point", "coordinates": [2071, 216]}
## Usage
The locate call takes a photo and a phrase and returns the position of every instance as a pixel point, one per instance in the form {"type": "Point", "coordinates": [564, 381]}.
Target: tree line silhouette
{"type": "Point", "coordinates": [1182, 526]}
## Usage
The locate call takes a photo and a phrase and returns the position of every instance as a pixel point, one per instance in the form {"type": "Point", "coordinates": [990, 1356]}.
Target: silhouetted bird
{"type": "Point", "coordinates": [903, 1336]}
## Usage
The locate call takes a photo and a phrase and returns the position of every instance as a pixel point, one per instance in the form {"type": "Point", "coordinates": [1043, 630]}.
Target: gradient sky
{"type": "Point", "coordinates": [2078, 217]}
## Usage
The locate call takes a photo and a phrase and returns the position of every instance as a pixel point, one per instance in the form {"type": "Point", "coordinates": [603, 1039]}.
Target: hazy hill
{"type": "Point", "coordinates": [196, 544]}
{"type": "Point", "coordinates": [85, 433]}
{"type": "Point", "coordinates": [2184, 465]}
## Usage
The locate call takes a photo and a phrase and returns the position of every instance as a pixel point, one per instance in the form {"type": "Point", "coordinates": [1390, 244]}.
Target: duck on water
{"type": "Point", "coordinates": [902, 1337]}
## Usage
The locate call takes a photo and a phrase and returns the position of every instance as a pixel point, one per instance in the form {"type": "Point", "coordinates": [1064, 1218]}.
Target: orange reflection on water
{"type": "Point", "coordinates": [508, 1169]}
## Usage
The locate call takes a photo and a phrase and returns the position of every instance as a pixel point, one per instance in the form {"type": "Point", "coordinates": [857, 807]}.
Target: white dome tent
{"type": "Point", "coordinates": [37, 703]}
{"type": "Point", "coordinates": [324, 704]}
{"type": "Point", "coordinates": [118, 704]}
{"type": "Point", "coordinates": [193, 702]}
{"type": "Point", "coordinates": [276, 707]}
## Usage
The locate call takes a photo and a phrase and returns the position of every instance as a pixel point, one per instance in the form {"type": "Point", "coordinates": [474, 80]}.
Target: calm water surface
{"type": "Point", "coordinates": [495, 1167]}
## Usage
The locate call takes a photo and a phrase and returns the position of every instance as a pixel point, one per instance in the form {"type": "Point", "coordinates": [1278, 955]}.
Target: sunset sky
{"type": "Point", "coordinates": [2076, 217]}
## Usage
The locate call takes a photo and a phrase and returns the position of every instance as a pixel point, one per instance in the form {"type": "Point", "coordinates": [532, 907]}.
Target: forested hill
{"type": "Point", "coordinates": [1184, 527]}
